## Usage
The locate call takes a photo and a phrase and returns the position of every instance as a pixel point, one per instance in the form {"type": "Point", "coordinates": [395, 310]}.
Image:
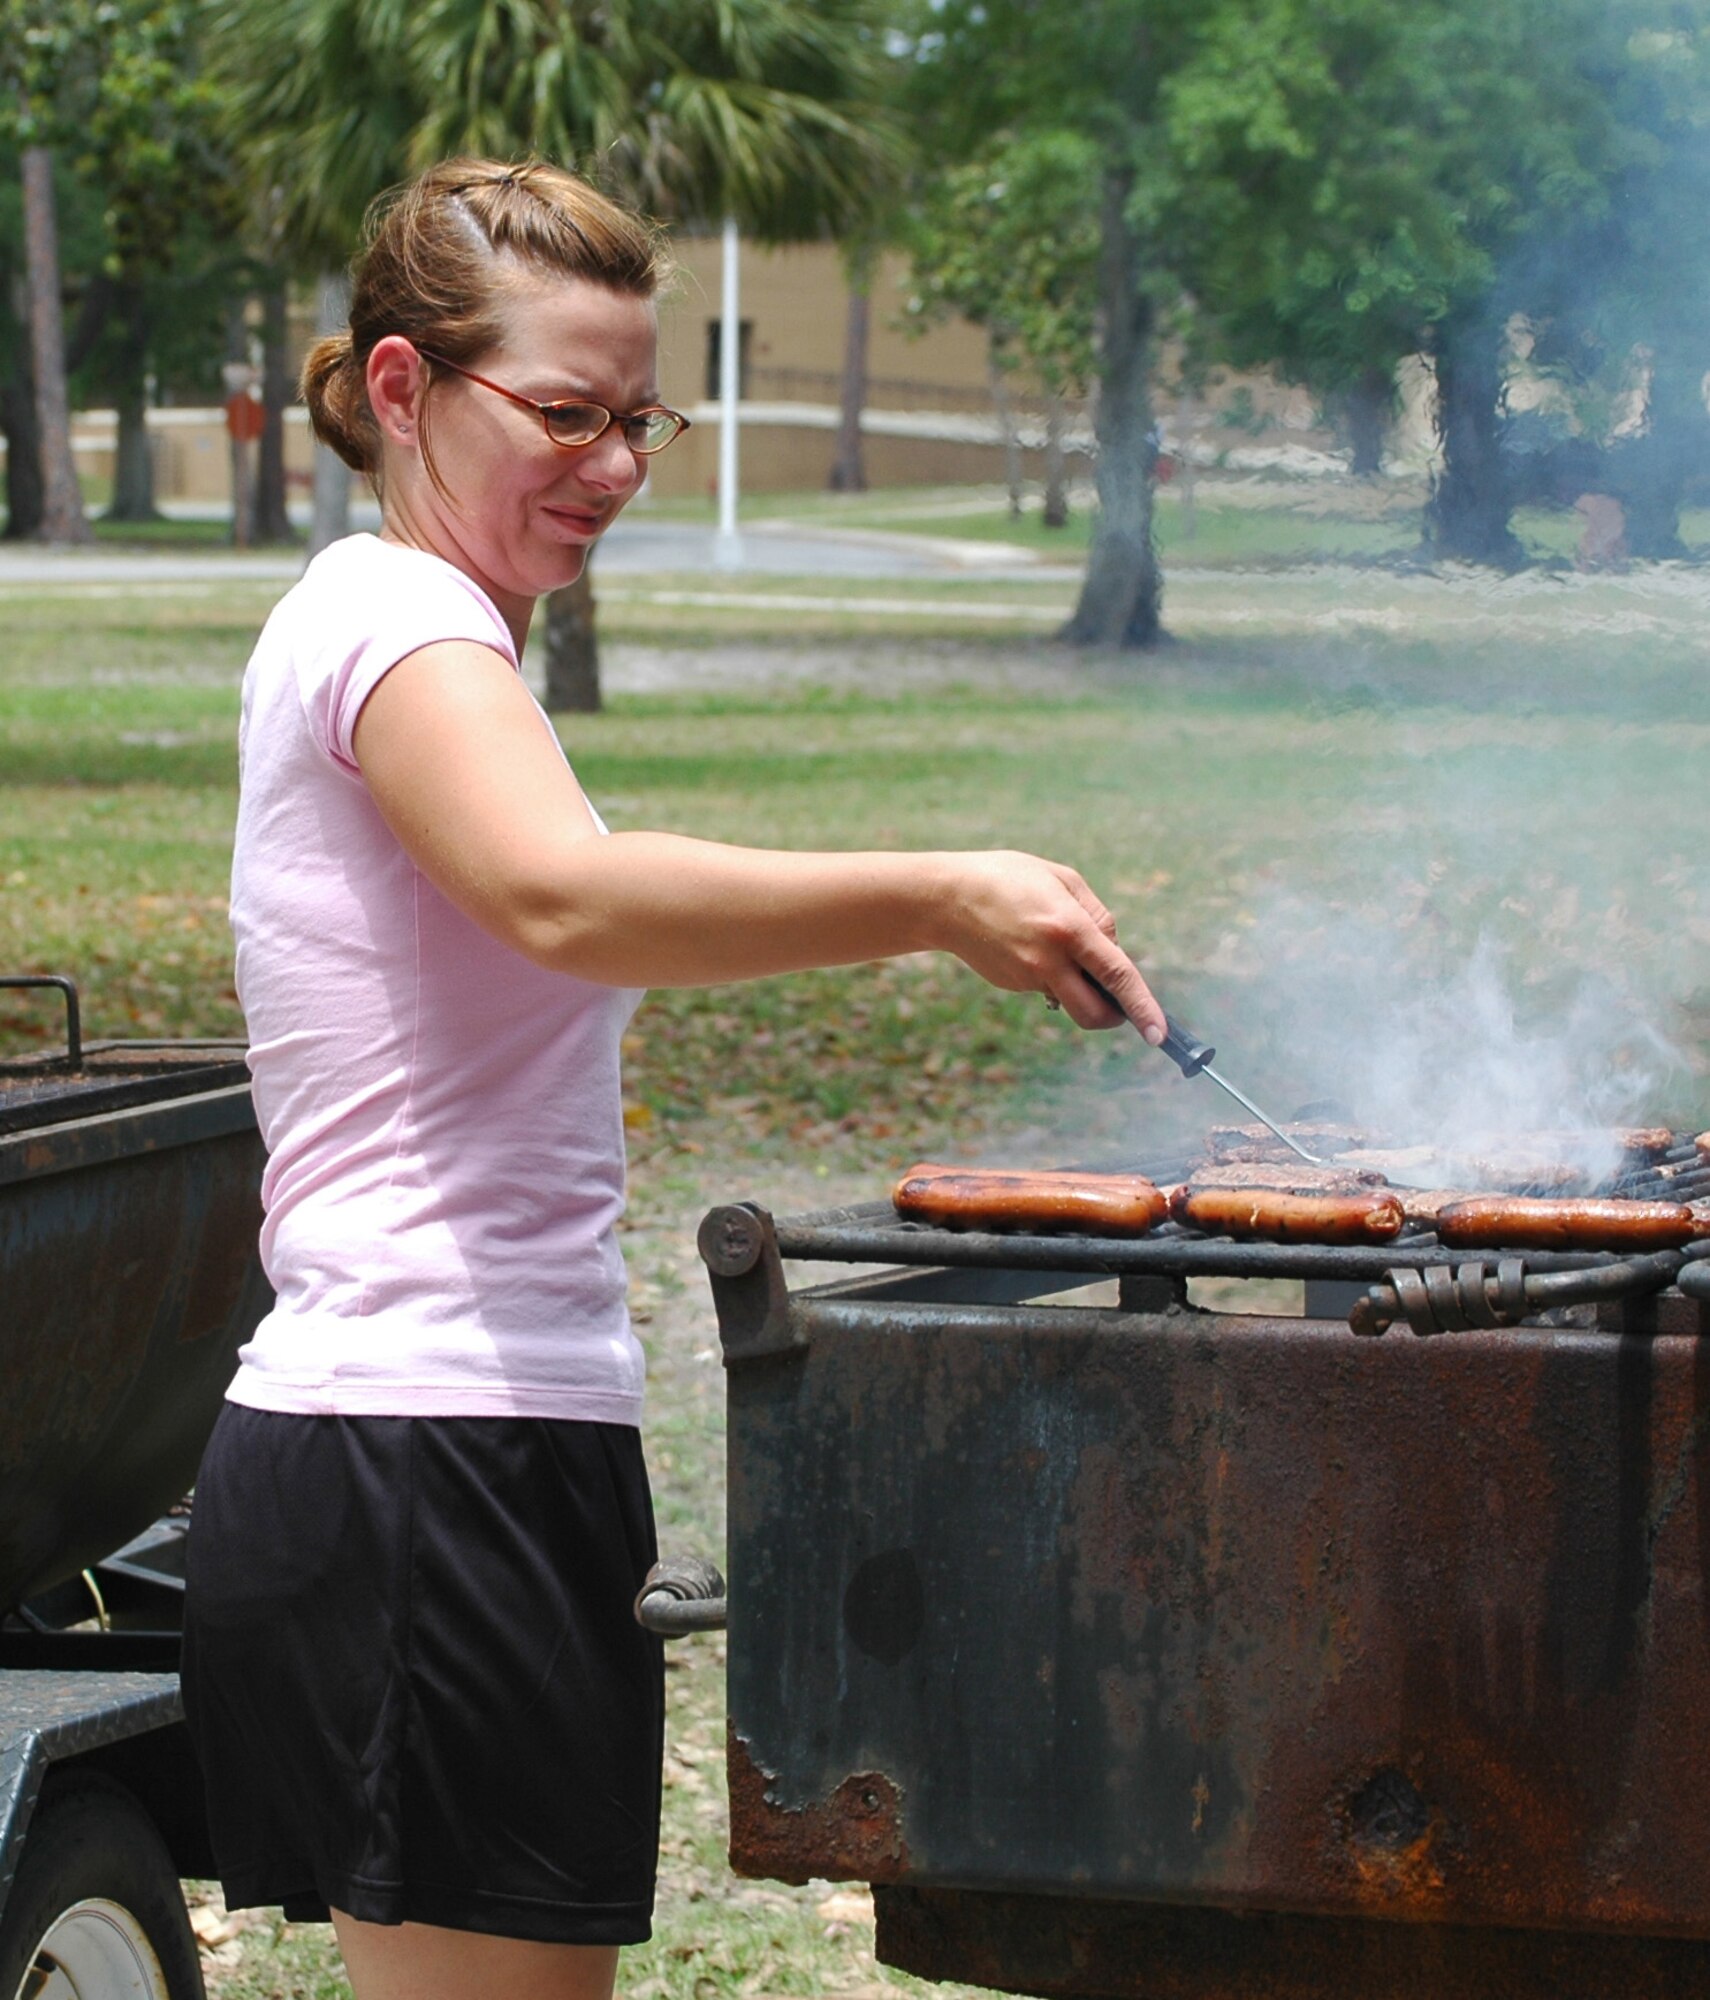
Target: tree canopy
{"type": "Point", "coordinates": [694, 109]}
{"type": "Point", "coordinates": [1010, 241]}
{"type": "Point", "coordinates": [1316, 187]}
{"type": "Point", "coordinates": [1324, 187]}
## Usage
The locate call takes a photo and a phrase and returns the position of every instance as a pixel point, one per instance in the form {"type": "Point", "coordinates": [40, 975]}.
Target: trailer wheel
{"type": "Point", "coordinates": [96, 1912]}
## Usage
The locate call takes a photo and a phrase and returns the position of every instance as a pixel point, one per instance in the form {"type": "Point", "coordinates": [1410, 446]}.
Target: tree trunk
{"type": "Point", "coordinates": [573, 648]}
{"type": "Point", "coordinates": [241, 452]}
{"type": "Point", "coordinates": [62, 501]}
{"type": "Point", "coordinates": [1186, 471]}
{"type": "Point", "coordinates": [848, 471]}
{"type": "Point", "coordinates": [1654, 469]}
{"type": "Point", "coordinates": [133, 460]}
{"type": "Point", "coordinates": [1056, 476]}
{"type": "Point", "coordinates": [1368, 407]}
{"type": "Point", "coordinates": [272, 520]}
{"type": "Point", "coordinates": [998, 377]}
{"type": "Point", "coordinates": [330, 515]}
{"type": "Point", "coordinates": [1122, 595]}
{"type": "Point", "coordinates": [102, 297]}
{"type": "Point", "coordinates": [1466, 517]}
{"type": "Point", "coordinates": [23, 455]}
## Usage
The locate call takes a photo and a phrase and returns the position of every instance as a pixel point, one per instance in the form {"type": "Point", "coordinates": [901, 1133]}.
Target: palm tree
{"type": "Point", "coordinates": [694, 110]}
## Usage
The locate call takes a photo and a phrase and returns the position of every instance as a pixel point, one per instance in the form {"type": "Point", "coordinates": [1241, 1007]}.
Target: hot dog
{"type": "Point", "coordinates": [1028, 1199]}
{"type": "Point", "coordinates": [1289, 1218]}
{"type": "Point", "coordinates": [1496, 1222]}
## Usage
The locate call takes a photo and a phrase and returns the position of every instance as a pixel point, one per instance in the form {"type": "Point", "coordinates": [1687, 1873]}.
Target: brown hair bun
{"type": "Point", "coordinates": [338, 401]}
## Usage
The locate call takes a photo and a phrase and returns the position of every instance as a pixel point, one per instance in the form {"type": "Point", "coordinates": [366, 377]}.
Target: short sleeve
{"type": "Point", "coordinates": [379, 611]}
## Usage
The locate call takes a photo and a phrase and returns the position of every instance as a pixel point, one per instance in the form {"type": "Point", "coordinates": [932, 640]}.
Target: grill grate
{"type": "Point", "coordinates": [112, 1076]}
{"type": "Point", "coordinates": [873, 1233]}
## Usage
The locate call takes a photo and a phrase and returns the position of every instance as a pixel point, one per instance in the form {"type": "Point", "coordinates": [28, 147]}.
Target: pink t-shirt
{"type": "Point", "coordinates": [443, 1118]}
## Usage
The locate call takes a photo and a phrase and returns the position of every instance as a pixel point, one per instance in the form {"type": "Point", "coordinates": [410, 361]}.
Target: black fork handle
{"type": "Point", "coordinates": [1183, 1047]}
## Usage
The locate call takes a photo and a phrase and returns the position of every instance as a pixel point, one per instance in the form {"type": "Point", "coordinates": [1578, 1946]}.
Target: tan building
{"type": "Point", "coordinates": [929, 416]}
{"type": "Point", "coordinates": [929, 419]}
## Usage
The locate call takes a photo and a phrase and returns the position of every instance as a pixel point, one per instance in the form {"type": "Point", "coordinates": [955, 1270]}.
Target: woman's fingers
{"type": "Point", "coordinates": [1024, 923]}
{"type": "Point", "coordinates": [1115, 982]}
{"type": "Point", "coordinates": [1124, 991]}
{"type": "Point", "coordinates": [1078, 888]}
{"type": "Point", "coordinates": [1081, 1000]}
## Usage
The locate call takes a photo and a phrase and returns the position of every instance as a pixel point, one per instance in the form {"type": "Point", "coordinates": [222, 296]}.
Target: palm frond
{"type": "Point", "coordinates": [766, 109]}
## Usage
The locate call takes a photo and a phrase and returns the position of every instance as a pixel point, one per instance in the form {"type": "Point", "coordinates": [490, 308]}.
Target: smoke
{"type": "Point", "coordinates": [1515, 945]}
{"type": "Point", "coordinates": [1467, 1058]}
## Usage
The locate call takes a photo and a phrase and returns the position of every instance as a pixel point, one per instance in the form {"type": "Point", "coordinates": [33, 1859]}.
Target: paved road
{"type": "Point", "coordinates": [635, 546]}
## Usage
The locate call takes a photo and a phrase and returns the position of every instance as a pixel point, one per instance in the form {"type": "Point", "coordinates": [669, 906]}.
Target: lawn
{"type": "Point", "coordinates": [1411, 841]}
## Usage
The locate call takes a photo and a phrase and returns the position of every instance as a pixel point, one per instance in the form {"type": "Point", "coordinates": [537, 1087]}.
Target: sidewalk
{"type": "Point", "coordinates": [635, 546]}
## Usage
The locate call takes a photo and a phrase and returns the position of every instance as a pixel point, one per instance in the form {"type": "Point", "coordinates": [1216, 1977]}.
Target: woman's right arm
{"type": "Point", "coordinates": [455, 757]}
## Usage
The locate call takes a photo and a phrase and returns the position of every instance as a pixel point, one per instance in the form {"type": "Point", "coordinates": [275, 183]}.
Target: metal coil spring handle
{"type": "Point", "coordinates": [681, 1595]}
{"type": "Point", "coordinates": [1444, 1300]}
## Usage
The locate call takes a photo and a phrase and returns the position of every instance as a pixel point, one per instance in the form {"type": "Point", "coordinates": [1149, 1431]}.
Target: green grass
{"type": "Point", "coordinates": [1324, 799]}
{"type": "Point", "coordinates": [1230, 522]}
{"type": "Point", "coordinates": [1354, 735]}
{"type": "Point", "coordinates": [166, 533]}
{"type": "Point", "coordinates": [1223, 527]}
{"type": "Point", "coordinates": [1215, 535]}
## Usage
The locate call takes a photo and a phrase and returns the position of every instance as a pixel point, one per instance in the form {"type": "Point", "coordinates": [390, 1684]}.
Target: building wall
{"type": "Point", "coordinates": [797, 301]}
{"type": "Point", "coordinates": [929, 418]}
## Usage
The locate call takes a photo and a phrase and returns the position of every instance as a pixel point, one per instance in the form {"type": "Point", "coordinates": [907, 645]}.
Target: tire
{"type": "Point", "coordinates": [96, 1912]}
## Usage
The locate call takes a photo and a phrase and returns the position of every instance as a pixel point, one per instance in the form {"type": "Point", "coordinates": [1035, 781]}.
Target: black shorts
{"type": "Point", "coordinates": [413, 1675]}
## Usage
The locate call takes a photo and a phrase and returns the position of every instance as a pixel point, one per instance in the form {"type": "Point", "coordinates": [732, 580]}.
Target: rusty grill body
{"type": "Point", "coordinates": [1132, 1649]}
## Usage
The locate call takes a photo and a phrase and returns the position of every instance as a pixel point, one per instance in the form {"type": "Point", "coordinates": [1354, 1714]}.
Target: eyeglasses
{"type": "Point", "coordinates": [572, 425]}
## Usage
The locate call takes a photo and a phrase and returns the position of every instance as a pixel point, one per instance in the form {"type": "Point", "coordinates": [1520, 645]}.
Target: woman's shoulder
{"type": "Point", "coordinates": [362, 605]}
{"type": "Point", "coordinates": [362, 590]}
{"type": "Point", "coordinates": [365, 572]}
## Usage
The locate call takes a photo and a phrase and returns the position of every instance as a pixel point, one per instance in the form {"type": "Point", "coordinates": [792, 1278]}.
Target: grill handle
{"type": "Point", "coordinates": [73, 1013]}
{"type": "Point", "coordinates": [680, 1595]}
{"type": "Point", "coordinates": [1441, 1299]}
{"type": "Point", "coordinates": [1694, 1281]}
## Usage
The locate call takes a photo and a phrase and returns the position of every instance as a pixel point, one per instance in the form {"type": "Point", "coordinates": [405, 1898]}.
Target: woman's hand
{"type": "Point", "coordinates": [1031, 925]}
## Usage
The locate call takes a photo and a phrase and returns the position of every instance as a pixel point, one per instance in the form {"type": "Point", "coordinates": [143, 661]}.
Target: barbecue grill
{"type": "Point", "coordinates": [129, 1277]}
{"type": "Point", "coordinates": [1131, 1648]}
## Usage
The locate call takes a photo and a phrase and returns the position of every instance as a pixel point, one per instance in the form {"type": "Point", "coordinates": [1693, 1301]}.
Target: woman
{"type": "Point", "coordinates": [421, 1701]}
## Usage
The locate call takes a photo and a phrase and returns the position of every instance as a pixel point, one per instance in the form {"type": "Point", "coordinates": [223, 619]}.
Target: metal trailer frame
{"type": "Point", "coordinates": [90, 1634]}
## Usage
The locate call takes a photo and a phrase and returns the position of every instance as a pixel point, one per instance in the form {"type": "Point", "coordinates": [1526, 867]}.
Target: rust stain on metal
{"type": "Point", "coordinates": [854, 1835]}
{"type": "Point", "coordinates": [1067, 1948]}
{"type": "Point", "coordinates": [1412, 1637]}
{"type": "Point", "coordinates": [216, 1276]}
{"type": "Point", "coordinates": [1394, 1837]}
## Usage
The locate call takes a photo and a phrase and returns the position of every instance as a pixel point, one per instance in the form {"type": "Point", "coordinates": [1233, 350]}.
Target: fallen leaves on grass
{"type": "Point", "coordinates": [865, 1058]}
